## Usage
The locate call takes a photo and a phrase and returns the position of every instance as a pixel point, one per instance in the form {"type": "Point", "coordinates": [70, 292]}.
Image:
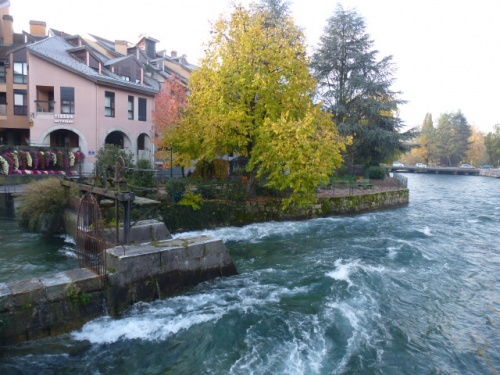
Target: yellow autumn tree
{"type": "Point", "coordinates": [477, 150]}
{"type": "Point", "coordinates": [252, 96]}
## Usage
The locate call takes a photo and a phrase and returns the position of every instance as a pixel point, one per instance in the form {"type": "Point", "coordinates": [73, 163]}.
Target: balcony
{"type": "Point", "coordinates": [44, 106]}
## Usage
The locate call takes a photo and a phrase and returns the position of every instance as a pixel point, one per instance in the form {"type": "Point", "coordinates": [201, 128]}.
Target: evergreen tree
{"type": "Point", "coordinates": [356, 89]}
{"type": "Point", "coordinates": [278, 9]}
{"type": "Point", "coordinates": [452, 138]}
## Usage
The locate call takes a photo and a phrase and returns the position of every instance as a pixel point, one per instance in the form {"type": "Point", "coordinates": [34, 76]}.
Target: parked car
{"type": "Point", "coordinates": [486, 166]}
{"type": "Point", "coordinates": [420, 165]}
{"type": "Point", "coordinates": [397, 164]}
{"type": "Point", "coordinates": [465, 165]}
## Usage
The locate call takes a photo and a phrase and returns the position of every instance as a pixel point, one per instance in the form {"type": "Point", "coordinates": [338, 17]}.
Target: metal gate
{"type": "Point", "coordinates": [90, 240]}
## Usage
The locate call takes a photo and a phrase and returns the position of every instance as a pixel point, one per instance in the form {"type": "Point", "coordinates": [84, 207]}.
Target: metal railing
{"type": "Point", "coordinates": [43, 106]}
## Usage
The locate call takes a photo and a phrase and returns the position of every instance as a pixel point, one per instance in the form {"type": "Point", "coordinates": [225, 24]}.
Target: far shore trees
{"type": "Point", "coordinates": [476, 155]}
{"type": "Point", "coordinates": [452, 142]}
{"type": "Point", "coordinates": [252, 96]}
{"type": "Point", "coordinates": [492, 144]}
{"type": "Point", "coordinates": [451, 139]}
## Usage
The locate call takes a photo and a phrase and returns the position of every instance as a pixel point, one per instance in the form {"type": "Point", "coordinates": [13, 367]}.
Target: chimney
{"type": "Point", "coordinates": [173, 53]}
{"type": "Point", "coordinates": [8, 29]}
{"type": "Point", "coordinates": [38, 28]}
{"type": "Point", "coordinates": [121, 46]}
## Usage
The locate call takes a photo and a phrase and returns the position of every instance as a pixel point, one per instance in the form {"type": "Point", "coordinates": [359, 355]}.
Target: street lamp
{"type": "Point", "coordinates": [171, 172]}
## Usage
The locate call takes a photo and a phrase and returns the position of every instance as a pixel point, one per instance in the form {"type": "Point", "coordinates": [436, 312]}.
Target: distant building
{"type": "Point", "coordinates": [80, 92]}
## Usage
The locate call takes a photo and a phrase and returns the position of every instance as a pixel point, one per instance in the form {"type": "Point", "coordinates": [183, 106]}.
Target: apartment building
{"type": "Point", "coordinates": [80, 92]}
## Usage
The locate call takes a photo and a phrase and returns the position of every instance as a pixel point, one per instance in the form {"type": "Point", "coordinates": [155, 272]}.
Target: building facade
{"type": "Point", "coordinates": [80, 92]}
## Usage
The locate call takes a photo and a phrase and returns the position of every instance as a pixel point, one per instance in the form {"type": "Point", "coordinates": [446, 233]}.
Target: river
{"type": "Point", "coordinates": [414, 290]}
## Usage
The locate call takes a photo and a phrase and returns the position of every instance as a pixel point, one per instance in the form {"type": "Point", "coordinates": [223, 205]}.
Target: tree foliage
{"type": "Point", "coordinates": [277, 9]}
{"type": "Point", "coordinates": [356, 89]}
{"type": "Point", "coordinates": [252, 97]}
{"type": "Point", "coordinates": [476, 154]}
{"type": "Point", "coordinates": [42, 198]}
{"type": "Point", "coordinates": [426, 139]}
{"type": "Point", "coordinates": [170, 104]}
{"type": "Point", "coordinates": [451, 140]}
{"type": "Point", "coordinates": [106, 159]}
{"type": "Point", "coordinates": [492, 144]}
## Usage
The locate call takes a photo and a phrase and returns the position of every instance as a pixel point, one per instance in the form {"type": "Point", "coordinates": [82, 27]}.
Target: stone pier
{"type": "Point", "coordinates": [50, 305]}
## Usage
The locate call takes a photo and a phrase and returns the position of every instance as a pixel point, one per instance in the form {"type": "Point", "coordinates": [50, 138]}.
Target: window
{"type": "Point", "coordinates": [3, 104]}
{"type": "Point", "coordinates": [2, 72]}
{"type": "Point", "coordinates": [68, 100]}
{"type": "Point", "coordinates": [20, 102]}
{"type": "Point", "coordinates": [109, 104]}
{"type": "Point", "coordinates": [20, 72]}
{"type": "Point", "coordinates": [130, 107]}
{"type": "Point", "coordinates": [142, 109]}
{"type": "Point", "coordinates": [141, 142]}
{"type": "Point", "coordinates": [94, 64]}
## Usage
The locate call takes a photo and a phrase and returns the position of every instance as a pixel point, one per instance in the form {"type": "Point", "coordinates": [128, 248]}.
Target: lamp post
{"type": "Point", "coordinates": [171, 171]}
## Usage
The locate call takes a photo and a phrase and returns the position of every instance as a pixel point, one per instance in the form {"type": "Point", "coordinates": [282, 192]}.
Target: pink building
{"type": "Point", "coordinates": [80, 92]}
{"type": "Point", "coordinates": [79, 99]}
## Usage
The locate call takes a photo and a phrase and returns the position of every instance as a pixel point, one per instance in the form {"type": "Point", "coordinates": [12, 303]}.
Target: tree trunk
{"type": "Point", "coordinates": [250, 184]}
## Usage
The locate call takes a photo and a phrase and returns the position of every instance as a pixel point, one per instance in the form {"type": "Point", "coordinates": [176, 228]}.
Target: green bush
{"type": "Point", "coordinates": [376, 172]}
{"type": "Point", "coordinates": [143, 175]}
{"type": "Point", "coordinates": [192, 200]}
{"type": "Point", "coordinates": [176, 187]}
{"type": "Point", "coordinates": [234, 192]}
{"type": "Point", "coordinates": [44, 197]}
{"type": "Point", "coordinates": [209, 190]}
{"type": "Point", "coordinates": [106, 159]}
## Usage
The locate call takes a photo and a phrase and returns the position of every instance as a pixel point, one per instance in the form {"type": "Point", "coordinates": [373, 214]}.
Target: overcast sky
{"type": "Point", "coordinates": [447, 52]}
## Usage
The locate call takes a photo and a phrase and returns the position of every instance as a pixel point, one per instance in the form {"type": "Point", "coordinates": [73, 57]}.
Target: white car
{"type": "Point", "coordinates": [397, 164]}
{"type": "Point", "coordinates": [465, 165]}
{"type": "Point", "coordinates": [420, 165]}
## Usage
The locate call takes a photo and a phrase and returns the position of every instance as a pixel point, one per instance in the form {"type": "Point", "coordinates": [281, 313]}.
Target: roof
{"type": "Point", "coordinates": [56, 50]}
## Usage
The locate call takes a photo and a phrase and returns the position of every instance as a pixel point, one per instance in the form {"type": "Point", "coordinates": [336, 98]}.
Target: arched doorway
{"type": "Point", "coordinates": [64, 138]}
{"type": "Point", "coordinates": [144, 146]}
{"type": "Point", "coordinates": [118, 139]}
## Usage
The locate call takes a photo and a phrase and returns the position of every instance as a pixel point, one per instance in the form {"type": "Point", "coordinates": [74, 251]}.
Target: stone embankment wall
{"type": "Point", "coordinates": [163, 268]}
{"type": "Point", "coordinates": [266, 210]}
{"type": "Point", "coordinates": [490, 172]}
{"type": "Point", "coordinates": [51, 305]}
{"type": "Point", "coordinates": [47, 306]}
{"type": "Point", "coordinates": [362, 203]}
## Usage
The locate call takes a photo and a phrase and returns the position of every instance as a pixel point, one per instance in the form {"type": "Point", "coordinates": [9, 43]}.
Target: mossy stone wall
{"type": "Point", "coordinates": [214, 214]}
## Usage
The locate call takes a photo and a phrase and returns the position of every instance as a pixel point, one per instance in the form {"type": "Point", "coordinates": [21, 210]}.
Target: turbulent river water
{"type": "Point", "coordinates": [414, 290]}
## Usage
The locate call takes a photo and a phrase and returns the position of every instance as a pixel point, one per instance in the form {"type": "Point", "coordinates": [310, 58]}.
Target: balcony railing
{"type": "Point", "coordinates": [45, 106]}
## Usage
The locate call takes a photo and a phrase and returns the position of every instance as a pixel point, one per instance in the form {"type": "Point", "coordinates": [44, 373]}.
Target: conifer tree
{"type": "Point", "coordinates": [452, 138]}
{"type": "Point", "coordinates": [356, 89]}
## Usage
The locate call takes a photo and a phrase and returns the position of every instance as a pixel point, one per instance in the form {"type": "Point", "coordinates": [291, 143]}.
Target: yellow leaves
{"type": "Point", "coordinates": [252, 96]}
{"type": "Point", "coordinates": [299, 153]}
